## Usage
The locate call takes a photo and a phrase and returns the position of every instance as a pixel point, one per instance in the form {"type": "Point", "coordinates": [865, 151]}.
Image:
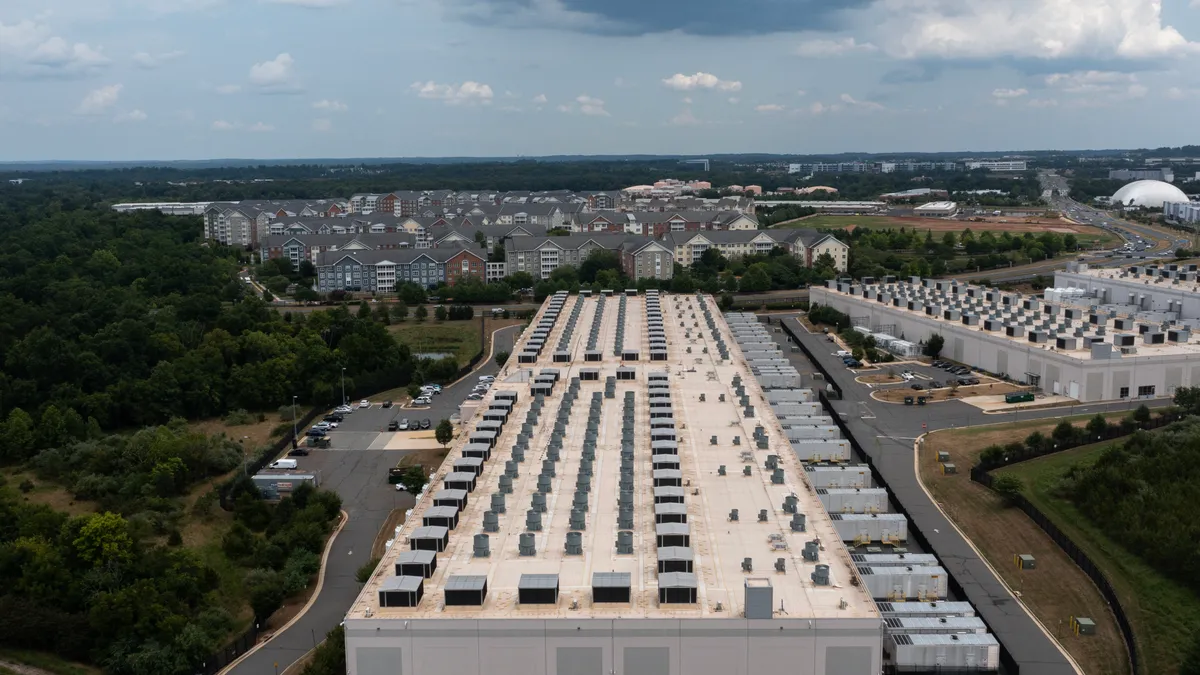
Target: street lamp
{"type": "Point", "coordinates": [293, 419]}
{"type": "Point", "coordinates": [343, 386]}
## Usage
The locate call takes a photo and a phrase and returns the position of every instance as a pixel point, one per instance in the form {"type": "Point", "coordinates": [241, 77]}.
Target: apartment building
{"type": "Point", "coordinates": [805, 245]}
{"type": "Point", "coordinates": [235, 224]}
{"type": "Point", "coordinates": [380, 271]}
{"type": "Point", "coordinates": [657, 224]}
{"type": "Point", "coordinates": [540, 256]}
{"type": "Point", "coordinates": [300, 247]}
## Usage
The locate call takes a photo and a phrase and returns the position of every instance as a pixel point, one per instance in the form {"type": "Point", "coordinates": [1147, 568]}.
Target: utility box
{"type": "Point", "coordinates": [1083, 625]}
{"type": "Point", "coordinates": [943, 456]}
{"type": "Point", "coordinates": [949, 469]}
{"type": "Point", "coordinates": [1025, 561]}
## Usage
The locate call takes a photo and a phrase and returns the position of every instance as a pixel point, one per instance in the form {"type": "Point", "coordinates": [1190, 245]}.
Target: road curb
{"type": "Point", "coordinates": [1020, 601]}
{"type": "Point", "coordinates": [491, 355]}
{"type": "Point", "coordinates": [308, 605]}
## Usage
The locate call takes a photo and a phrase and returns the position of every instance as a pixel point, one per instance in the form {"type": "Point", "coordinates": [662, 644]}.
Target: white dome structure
{"type": "Point", "coordinates": [1148, 193]}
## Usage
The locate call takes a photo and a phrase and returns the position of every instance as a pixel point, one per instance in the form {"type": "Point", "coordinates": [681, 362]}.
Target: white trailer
{"type": "Point", "coordinates": [838, 475]}
{"type": "Point", "coordinates": [822, 450]}
{"type": "Point", "coordinates": [905, 583]}
{"type": "Point", "coordinates": [854, 500]}
{"type": "Point", "coordinates": [969, 651]}
{"type": "Point", "coordinates": [864, 528]}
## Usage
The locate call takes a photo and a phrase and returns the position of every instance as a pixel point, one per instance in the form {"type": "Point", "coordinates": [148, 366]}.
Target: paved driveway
{"type": "Point", "coordinates": [886, 432]}
{"type": "Point", "coordinates": [359, 475]}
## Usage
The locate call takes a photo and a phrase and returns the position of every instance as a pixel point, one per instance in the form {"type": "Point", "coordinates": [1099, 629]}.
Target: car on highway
{"type": "Point", "coordinates": [364, 403]}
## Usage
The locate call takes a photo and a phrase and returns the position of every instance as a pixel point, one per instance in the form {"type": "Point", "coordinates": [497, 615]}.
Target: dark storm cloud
{"type": "Point", "coordinates": [641, 17]}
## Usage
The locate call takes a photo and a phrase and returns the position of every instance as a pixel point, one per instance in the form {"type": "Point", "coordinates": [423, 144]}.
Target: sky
{"type": "Point", "coordinates": [276, 79]}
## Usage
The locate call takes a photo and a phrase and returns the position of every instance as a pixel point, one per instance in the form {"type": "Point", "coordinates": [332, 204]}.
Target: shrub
{"type": "Point", "coordinates": [366, 570]}
{"type": "Point", "coordinates": [1008, 487]}
{"type": "Point", "coordinates": [239, 417]}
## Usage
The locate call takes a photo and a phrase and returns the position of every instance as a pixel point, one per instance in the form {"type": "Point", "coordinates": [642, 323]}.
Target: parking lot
{"type": "Point", "coordinates": [367, 428]}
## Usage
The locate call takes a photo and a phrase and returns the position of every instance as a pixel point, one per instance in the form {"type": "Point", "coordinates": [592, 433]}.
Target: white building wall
{"type": "Point", "coordinates": [1086, 380]}
{"type": "Point", "coordinates": [797, 646]}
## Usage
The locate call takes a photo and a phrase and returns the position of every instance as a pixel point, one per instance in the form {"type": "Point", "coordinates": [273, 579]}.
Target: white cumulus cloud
{"type": "Point", "coordinates": [277, 75]}
{"type": "Point", "coordinates": [332, 106]}
{"type": "Point", "coordinates": [591, 106]}
{"type": "Point", "coordinates": [29, 49]}
{"type": "Point", "coordinates": [953, 29]}
{"type": "Point", "coordinates": [769, 107]}
{"type": "Point", "coordinates": [540, 99]}
{"type": "Point", "coordinates": [683, 82]}
{"type": "Point", "coordinates": [99, 100]}
{"type": "Point", "coordinates": [1009, 93]}
{"type": "Point", "coordinates": [824, 48]}
{"type": "Point", "coordinates": [222, 125]}
{"type": "Point", "coordinates": [467, 93]}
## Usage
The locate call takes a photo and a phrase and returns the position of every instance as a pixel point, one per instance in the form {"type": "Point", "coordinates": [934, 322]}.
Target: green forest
{"type": "Point", "coordinates": [120, 329]}
{"type": "Point", "coordinates": [913, 252]}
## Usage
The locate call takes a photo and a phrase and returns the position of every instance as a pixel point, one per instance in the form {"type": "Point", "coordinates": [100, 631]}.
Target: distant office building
{"type": "Point", "coordinates": [1166, 175]}
{"type": "Point", "coordinates": [915, 193]}
{"type": "Point", "coordinates": [999, 165]}
{"type": "Point", "coordinates": [937, 209]}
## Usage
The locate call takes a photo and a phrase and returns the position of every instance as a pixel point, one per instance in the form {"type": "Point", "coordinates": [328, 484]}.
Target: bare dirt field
{"type": "Point", "coordinates": [1057, 589]}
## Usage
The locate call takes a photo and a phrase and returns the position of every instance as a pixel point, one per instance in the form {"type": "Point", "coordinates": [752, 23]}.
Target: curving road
{"type": "Point", "coordinates": [887, 433]}
{"type": "Point", "coordinates": [359, 475]}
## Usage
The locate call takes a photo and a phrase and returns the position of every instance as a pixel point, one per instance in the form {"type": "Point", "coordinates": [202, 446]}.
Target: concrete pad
{"type": "Point", "coordinates": [996, 404]}
{"type": "Point", "coordinates": [403, 440]}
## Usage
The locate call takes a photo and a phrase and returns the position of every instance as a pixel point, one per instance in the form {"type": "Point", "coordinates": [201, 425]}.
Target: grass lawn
{"type": "Point", "coordinates": [1165, 615]}
{"type": "Point", "coordinates": [897, 395]}
{"type": "Point", "coordinates": [49, 663]}
{"type": "Point", "coordinates": [460, 338]}
{"type": "Point", "coordinates": [1087, 235]}
{"type": "Point", "coordinates": [1057, 589]}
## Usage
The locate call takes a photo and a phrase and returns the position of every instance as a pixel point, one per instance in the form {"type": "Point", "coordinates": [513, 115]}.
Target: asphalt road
{"type": "Point", "coordinates": [356, 469]}
{"type": "Point", "coordinates": [887, 433]}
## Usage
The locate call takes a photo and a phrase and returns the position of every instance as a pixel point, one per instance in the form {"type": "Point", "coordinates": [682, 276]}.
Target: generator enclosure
{"type": "Point", "coordinates": [854, 500]}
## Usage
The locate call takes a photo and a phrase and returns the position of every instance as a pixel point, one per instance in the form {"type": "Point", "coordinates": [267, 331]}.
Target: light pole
{"type": "Point", "coordinates": [293, 419]}
{"type": "Point", "coordinates": [343, 386]}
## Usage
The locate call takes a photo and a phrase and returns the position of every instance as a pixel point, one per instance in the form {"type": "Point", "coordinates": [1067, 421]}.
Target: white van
{"type": "Point", "coordinates": [284, 464]}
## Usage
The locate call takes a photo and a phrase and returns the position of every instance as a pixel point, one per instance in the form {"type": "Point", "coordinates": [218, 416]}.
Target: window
{"type": "Point", "coordinates": [1124, 392]}
{"type": "Point", "coordinates": [1146, 391]}
{"type": "Point", "coordinates": [466, 266]}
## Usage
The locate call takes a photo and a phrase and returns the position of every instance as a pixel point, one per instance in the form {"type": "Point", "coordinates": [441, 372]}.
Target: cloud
{"type": "Point", "coordinates": [333, 106]}
{"type": "Point", "coordinates": [1009, 93]}
{"type": "Point", "coordinates": [687, 100]}
{"type": "Point", "coordinates": [685, 119]}
{"type": "Point", "coordinates": [1181, 93]}
{"type": "Point", "coordinates": [768, 108]}
{"type": "Point", "coordinates": [1090, 81]}
{"type": "Point", "coordinates": [855, 103]}
{"type": "Point", "coordinates": [1042, 103]}
{"type": "Point", "coordinates": [28, 49]}
{"type": "Point", "coordinates": [1035, 29]}
{"type": "Point", "coordinates": [801, 92]}
{"type": "Point", "coordinates": [322, 124]}
{"type": "Point", "coordinates": [591, 106]}
{"type": "Point", "coordinates": [99, 100]}
{"type": "Point", "coordinates": [309, 4]}
{"type": "Point", "coordinates": [227, 89]}
{"type": "Point", "coordinates": [822, 48]}
{"type": "Point", "coordinates": [467, 93]}
{"type": "Point", "coordinates": [222, 125]}
{"type": "Point", "coordinates": [733, 99]}
{"type": "Point", "coordinates": [131, 116]}
{"type": "Point", "coordinates": [818, 108]}
{"type": "Point", "coordinates": [683, 82]}
{"type": "Point", "coordinates": [150, 61]}
{"type": "Point", "coordinates": [259, 127]}
{"type": "Point", "coordinates": [275, 76]}
{"type": "Point", "coordinates": [540, 99]}
{"type": "Point", "coordinates": [627, 17]}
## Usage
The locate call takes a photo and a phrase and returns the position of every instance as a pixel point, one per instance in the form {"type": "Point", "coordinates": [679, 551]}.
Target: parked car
{"type": "Point", "coordinates": [475, 396]}
{"type": "Point", "coordinates": [364, 403]}
{"type": "Point", "coordinates": [425, 424]}
{"type": "Point", "coordinates": [404, 424]}
{"type": "Point", "coordinates": [322, 425]}
{"type": "Point", "coordinates": [334, 418]}
{"type": "Point", "coordinates": [316, 433]}
{"type": "Point", "coordinates": [343, 410]}
{"type": "Point", "coordinates": [387, 404]}
{"type": "Point", "coordinates": [298, 452]}
{"type": "Point", "coordinates": [843, 353]}
{"type": "Point", "coordinates": [935, 384]}
{"type": "Point", "coordinates": [422, 400]}
{"type": "Point", "coordinates": [938, 364]}
{"type": "Point", "coordinates": [435, 387]}
{"type": "Point", "coordinates": [917, 387]}
{"type": "Point", "coordinates": [393, 426]}
{"type": "Point", "coordinates": [854, 364]}
{"type": "Point", "coordinates": [486, 378]}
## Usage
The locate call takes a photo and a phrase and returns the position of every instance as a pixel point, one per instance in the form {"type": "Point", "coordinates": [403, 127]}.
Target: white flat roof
{"type": "Point", "coordinates": [718, 545]}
